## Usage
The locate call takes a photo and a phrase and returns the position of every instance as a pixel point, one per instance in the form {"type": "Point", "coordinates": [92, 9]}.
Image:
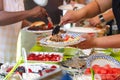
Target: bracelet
{"type": "Point", "coordinates": [101, 18]}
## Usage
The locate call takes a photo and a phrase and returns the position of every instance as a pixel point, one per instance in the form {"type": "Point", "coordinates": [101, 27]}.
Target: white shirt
{"type": "Point", "coordinates": [9, 33]}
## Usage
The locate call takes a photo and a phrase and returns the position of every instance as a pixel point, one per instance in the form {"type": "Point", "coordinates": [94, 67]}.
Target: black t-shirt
{"type": "Point", "coordinates": [52, 9]}
{"type": "Point", "coordinates": [116, 11]}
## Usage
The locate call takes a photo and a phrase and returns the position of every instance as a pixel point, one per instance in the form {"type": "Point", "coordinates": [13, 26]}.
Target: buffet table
{"type": "Point", "coordinates": [69, 52]}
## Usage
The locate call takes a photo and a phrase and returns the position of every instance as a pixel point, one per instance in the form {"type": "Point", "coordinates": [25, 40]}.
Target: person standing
{"type": "Point", "coordinates": [90, 10]}
{"type": "Point", "coordinates": [51, 8]}
{"type": "Point", "coordinates": [12, 13]}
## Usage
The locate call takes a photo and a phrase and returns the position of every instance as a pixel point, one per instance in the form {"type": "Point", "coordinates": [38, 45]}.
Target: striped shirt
{"type": "Point", "coordinates": [9, 33]}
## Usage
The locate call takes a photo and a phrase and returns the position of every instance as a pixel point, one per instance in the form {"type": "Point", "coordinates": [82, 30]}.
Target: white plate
{"type": "Point", "coordinates": [83, 30]}
{"type": "Point", "coordinates": [76, 40]}
{"type": "Point", "coordinates": [70, 7]}
{"type": "Point", "coordinates": [35, 67]}
{"type": "Point", "coordinates": [39, 31]}
{"type": "Point", "coordinates": [39, 66]}
{"type": "Point", "coordinates": [102, 60]}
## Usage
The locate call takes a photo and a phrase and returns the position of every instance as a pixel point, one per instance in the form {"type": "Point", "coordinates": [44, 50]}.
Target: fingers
{"type": "Point", "coordinates": [39, 12]}
{"type": "Point", "coordinates": [43, 13]}
{"type": "Point", "coordinates": [92, 22]}
{"type": "Point", "coordinates": [67, 18]}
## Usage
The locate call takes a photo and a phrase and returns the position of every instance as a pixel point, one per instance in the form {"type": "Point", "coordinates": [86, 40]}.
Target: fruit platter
{"type": "Point", "coordinates": [106, 72]}
{"type": "Point", "coordinates": [53, 57]}
{"type": "Point", "coordinates": [34, 71]}
{"type": "Point", "coordinates": [100, 67]}
{"type": "Point", "coordinates": [103, 66]}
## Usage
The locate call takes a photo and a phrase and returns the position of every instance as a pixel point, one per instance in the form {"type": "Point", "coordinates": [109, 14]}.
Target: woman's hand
{"type": "Point", "coordinates": [94, 21]}
{"type": "Point", "coordinates": [73, 16]}
{"type": "Point", "coordinates": [88, 43]}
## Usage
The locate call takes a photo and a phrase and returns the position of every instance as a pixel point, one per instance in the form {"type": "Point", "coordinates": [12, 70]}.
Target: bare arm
{"type": "Point", "coordinates": [97, 6]}
{"type": "Point", "coordinates": [13, 17]}
{"type": "Point", "coordinates": [108, 15]}
{"type": "Point", "coordinates": [108, 42]}
{"type": "Point", "coordinates": [104, 4]}
{"type": "Point", "coordinates": [100, 42]}
{"type": "Point", "coordinates": [74, 16]}
{"type": "Point", "coordinates": [90, 10]}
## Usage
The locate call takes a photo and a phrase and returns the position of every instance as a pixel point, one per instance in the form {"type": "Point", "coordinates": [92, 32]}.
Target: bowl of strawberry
{"type": "Point", "coordinates": [105, 72]}
{"type": "Point", "coordinates": [45, 56]}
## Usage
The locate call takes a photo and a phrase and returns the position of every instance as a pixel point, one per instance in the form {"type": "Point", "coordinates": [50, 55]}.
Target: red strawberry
{"type": "Point", "coordinates": [53, 67]}
{"type": "Point", "coordinates": [30, 71]}
{"type": "Point", "coordinates": [9, 69]}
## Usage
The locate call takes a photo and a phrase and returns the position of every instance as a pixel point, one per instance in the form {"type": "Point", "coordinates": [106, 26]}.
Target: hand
{"type": "Point", "coordinates": [73, 16]}
{"type": "Point", "coordinates": [88, 43]}
{"type": "Point", "coordinates": [38, 12]}
{"type": "Point", "coordinates": [94, 21]}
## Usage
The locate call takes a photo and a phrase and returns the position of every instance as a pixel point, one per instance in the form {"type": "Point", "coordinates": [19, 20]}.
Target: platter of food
{"type": "Point", "coordinates": [70, 6]}
{"type": "Point", "coordinates": [39, 27]}
{"type": "Point", "coordinates": [61, 40]}
{"type": "Point", "coordinates": [74, 65]}
{"type": "Point", "coordinates": [45, 57]}
{"type": "Point", "coordinates": [100, 67]}
{"type": "Point", "coordinates": [102, 60]}
{"type": "Point", "coordinates": [36, 71]}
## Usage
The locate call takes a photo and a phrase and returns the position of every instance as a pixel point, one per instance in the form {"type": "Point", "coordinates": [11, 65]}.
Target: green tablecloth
{"type": "Point", "coordinates": [68, 52]}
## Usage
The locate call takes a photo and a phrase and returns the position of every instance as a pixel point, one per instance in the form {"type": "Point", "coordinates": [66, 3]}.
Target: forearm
{"type": "Point", "coordinates": [108, 15]}
{"type": "Point", "coordinates": [104, 4]}
{"type": "Point", "coordinates": [13, 17]}
{"type": "Point", "coordinates": [108, 42]}
{"type": "Point", "coordinates": [95, 7]}
{"type": "Point", "coordinates": [88, 10]}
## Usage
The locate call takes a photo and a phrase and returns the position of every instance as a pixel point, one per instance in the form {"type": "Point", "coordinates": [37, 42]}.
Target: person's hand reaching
{"type": "Point", "coordinates": [73, 16]}
{"type": "Point", "coordinates": [94, 21]}
{"type": "Point", "coordinates": [38, 12]}
{"type": "Point", "coordinates": [88, 43]}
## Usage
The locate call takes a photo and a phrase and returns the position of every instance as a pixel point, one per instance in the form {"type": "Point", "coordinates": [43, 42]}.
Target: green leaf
{"type": "Point", "coordinates": [92, 73]}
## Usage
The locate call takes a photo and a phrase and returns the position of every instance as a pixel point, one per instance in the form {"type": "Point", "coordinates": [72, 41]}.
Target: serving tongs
{"type": "Point", "coordinates": [56, 30]}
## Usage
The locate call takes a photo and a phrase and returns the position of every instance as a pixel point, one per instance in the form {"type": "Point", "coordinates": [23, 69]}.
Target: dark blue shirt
{"type": "Point", "coordinates": [116, 11]}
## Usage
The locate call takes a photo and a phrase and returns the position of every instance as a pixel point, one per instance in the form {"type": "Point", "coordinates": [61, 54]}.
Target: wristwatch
{"type": "Point", "coordinates": [101, 18]}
